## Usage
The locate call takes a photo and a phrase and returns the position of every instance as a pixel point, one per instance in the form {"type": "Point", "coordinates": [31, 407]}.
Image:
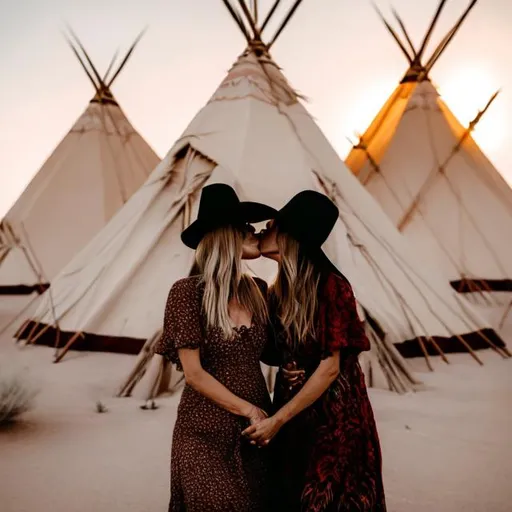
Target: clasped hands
{"type": "Point", "coordinates": [264, 428]}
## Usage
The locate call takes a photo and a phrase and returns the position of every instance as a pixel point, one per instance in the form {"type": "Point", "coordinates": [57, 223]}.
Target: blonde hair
{"type": "Point", "coordinates": [219, 258]}
{"type": "Point", "coordinates": [295, 290]}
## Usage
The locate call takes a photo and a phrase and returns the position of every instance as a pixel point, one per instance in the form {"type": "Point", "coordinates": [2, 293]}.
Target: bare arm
{"type": "Point", "coordinates": [203, 382]}
{"type": "Point", "coordinates": [316, 385]}
{"type": "Point", "coordinates": [313, 389]}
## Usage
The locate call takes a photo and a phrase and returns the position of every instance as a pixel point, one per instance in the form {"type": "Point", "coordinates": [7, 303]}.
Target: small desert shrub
{"type": "Point", "coordinates": [17, 395]}
{"type": "Point", "coordinates": [101, 407]}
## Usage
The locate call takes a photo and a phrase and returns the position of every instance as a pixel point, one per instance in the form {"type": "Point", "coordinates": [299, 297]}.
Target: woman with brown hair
{"type": "Point", "coordinates": [215, 329]}
{"type": "Point", "coordinates": [326, 441]}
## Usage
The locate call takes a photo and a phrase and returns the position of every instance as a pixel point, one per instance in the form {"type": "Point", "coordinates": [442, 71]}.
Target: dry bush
{"type": "Point", "coordinates": [17, 395]}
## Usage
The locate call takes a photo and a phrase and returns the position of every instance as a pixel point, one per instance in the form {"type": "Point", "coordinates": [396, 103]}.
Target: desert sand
{"type": "Point", "coordinates": [447, 448]}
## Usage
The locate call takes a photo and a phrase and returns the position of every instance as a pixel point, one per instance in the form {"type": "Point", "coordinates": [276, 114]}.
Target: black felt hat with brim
{"type": "Point", "coordinates": [220, 206]}
{"type": "Point", "coordinates": [309, 217]}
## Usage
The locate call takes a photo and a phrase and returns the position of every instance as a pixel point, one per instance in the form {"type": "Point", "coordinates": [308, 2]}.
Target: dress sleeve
{"type": "Point", "coordinates": [182, 321]}
{"type": "Point", "coordinates": [340, 327]}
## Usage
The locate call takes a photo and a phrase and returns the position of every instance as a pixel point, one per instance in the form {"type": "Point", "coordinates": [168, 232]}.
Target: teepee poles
{"type": "Point", "coordinates": [127, 56]}
{"type": "Point", "coordinates": [447, 40]}
{"type": "Point", "coordinates": [436, 54]}
{"type": "Point", "coordinates": [398, 375]}
{"type": "Point", "coordinates": [78, 56]}
{"type": "Point", "coordinates": [86, 55]}
{"type": "Point", "coordinates": [59, 355]}
{"type": "Point", "coordinates": [404, 31]}
{"type": "Point", "coordinates": [255, 13]}
{"type": "Point", "coordinates": [238, 20]}
{"type": "Point", "coordinates": [477, 118]}
{"type": "Point", "coordinates": [251, 20]}
{"type": "Point", "coordinates": [505, 315]}
{"type": "Point", "coordinates": [111, 65]}
{"type": "Point", "coordinates": [161, 375]}
{"type": "Point", "coordinates": [101, 84]}
{"type": "Point", "coordinates": [285, 22]}
{"type": "Point", "coordinates": [430, 29]}
{"type": "Point", "coordinates": [395, 36]}
{"type": "Point", "coordinates": [269, 15]}
{"type": "Point", "coordinates": [416, 57]}
{"type": "Point", "coordinates": [140, 366]}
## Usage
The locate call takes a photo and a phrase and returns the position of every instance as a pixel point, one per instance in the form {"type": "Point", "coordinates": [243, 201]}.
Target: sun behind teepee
{"type": "Point", "coordinates": [436, 185]}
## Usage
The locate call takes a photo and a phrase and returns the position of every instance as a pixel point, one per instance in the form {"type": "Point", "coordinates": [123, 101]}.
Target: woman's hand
{"type": "Point", "coordinates": [204, 383]}
{"type": "Point", "coordinates": [263, 432]}
{"type": "Point", "coordinates": [294, 377]}
{"type": "Point", "coordinates": [255, 414]}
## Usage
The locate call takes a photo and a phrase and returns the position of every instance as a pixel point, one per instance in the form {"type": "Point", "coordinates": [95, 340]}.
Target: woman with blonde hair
{"type": "Point", "coordinates": [326, 440]}
{"type": "Point", "coordinates": [215, 329]}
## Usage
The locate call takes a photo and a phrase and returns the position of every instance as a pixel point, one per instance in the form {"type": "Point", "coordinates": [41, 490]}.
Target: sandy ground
{"type": "Point", "coordinates": [447, 448]}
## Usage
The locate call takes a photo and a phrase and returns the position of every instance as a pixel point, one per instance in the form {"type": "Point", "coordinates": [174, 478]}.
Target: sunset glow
{"type": "Point", "coordinates": [362, 111]}
{"type": "Point", "coordinates": [467, 92]}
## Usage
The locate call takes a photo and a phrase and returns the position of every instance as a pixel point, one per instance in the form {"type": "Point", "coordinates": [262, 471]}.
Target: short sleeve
{"type": "Point", "coordinates": [340, 328]}
{"type": "Point", "coordinates": [182, 320]}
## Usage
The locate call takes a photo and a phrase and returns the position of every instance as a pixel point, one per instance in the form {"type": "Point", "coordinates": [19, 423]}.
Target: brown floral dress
{"type": "Point", "coordinates": [213, 468]}
{"type": "Point", "coordinates": [328, 456]}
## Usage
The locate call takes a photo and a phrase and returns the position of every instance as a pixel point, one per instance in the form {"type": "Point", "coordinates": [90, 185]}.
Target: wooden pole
{"type": "Point", "coordinates": [269, 15]}
{"type": "Point", "coordinates": [406, 34]}
{"type": "Point", "coordinates": [64, 351]}
{"type": "Point", "coordinates": [394, 35]}
{"type": "Point", "coordinates": [127, 56]}
{"type": "Point", "coordinates": [78, 56]}
{"type": "Point", "coordinates": [438, 348]}
{"type": "Point", "coordinates": [287, 18]}
{"type": "Point", "coordinates": [86, 55]}
{"type": "Point", "coordinates": [40, 333]}
{"type": "Point", "coordinates": [20, 329]}
{"type": "Point", "coordinates": [470, 350]}
{"type": "Point", "coordinates": [255, 11]}
{"type": "Point", "coordinates": [31, 333]}
{"type": "Point", "coordinates": [451, 34]}
{"type": "Point", "coordinates": [430, 29]}
{"type": "Point", "coordinates": [250, 19]}
{"type": "Point", "coordinates": [238, 20]}
{"type": "Point", "coordinates": [505, 315]}
{"type": "Point", "coordinates": [140, 363]}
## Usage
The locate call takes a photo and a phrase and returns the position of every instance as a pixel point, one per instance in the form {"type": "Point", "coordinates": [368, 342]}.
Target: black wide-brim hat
{"type": "Point", "coordinates": [220, 206]}
{"type": "Point", "coordinates": [309, 217]}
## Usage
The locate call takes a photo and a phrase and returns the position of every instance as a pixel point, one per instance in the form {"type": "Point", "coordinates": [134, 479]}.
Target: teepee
{"type": "Point", "coordinates": [254, 134]}
{"type": "Point", "coordinates": [93, 171]}
{"type": "Point", "coordinates": [436, 185]}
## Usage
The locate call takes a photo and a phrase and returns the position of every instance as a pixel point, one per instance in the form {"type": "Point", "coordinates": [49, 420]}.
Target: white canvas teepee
{"type": "Point", "coordinates": [94, 170]}
{"type": "Point", "coordinates": [256, 135]}
{"type": "Point", "coordinates": [436, 185]}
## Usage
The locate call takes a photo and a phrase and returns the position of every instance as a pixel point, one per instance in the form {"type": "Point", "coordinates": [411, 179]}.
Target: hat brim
{"type": "Point", "coordinates": [248, 212]}
{"type": "Point", "coordinates": [256, 212]}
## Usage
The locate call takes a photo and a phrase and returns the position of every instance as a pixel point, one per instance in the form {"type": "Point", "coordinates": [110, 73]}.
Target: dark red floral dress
{"type": "Point", "coordinates": [328, 456]}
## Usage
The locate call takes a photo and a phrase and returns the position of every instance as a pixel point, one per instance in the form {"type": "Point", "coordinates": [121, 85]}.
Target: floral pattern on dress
{"type": "Point", "coordinates": [329, 455]}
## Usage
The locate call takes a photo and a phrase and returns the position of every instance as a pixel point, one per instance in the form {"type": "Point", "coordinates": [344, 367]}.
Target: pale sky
{"type": "Point", "coordinates": [335, 52]}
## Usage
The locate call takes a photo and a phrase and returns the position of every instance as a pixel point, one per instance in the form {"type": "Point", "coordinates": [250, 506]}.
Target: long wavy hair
{"type": "Point", "coordinates": [295, 291]}
{"type": "Point", "coordinates": [219, 259]}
